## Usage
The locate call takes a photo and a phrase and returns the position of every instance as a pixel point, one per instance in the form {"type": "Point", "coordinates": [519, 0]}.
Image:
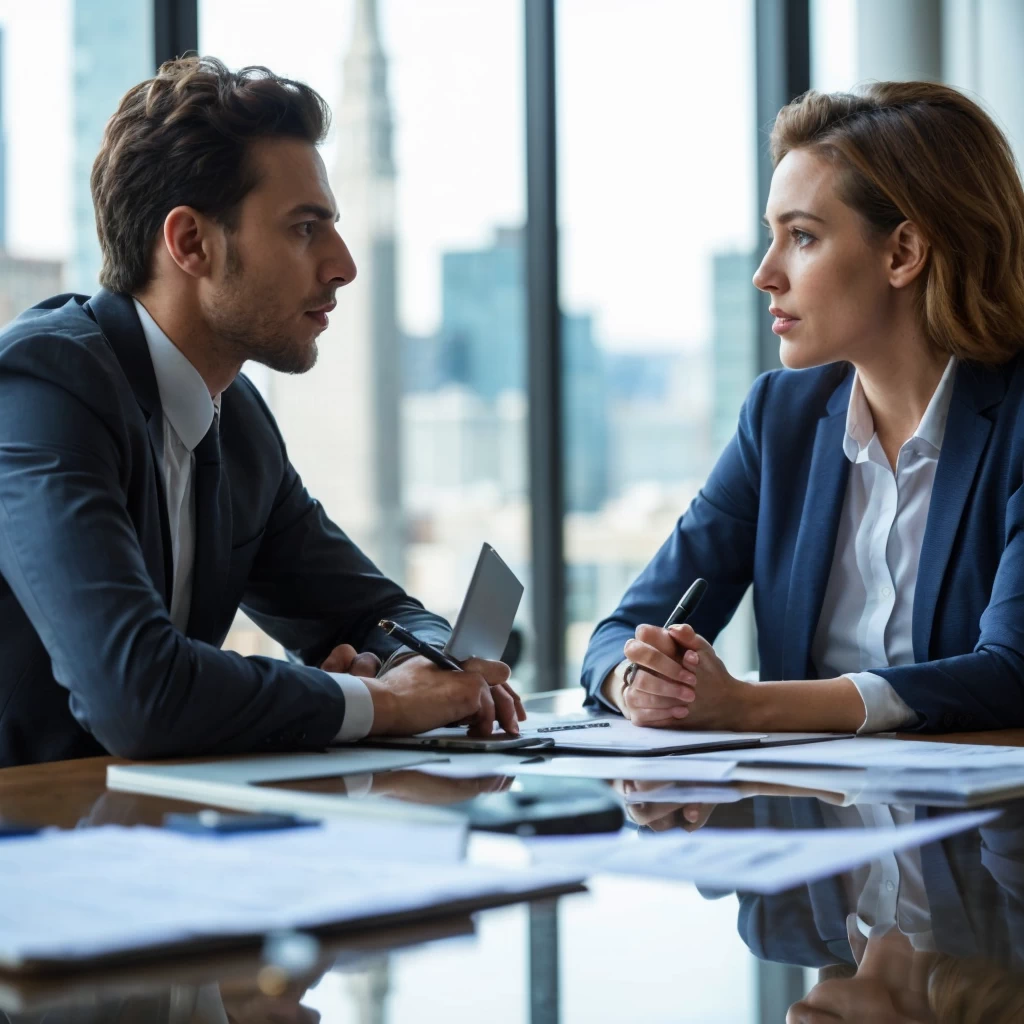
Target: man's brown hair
{"type": "Point", "coordinates": [181, 139]}
{"type": "Point", "coordinates": [924, 152]}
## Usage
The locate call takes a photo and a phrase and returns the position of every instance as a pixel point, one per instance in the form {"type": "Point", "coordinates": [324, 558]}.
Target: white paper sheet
{"type": "Point", "coordinates": [687, 768]}
{"type": "Point", "coordinates": [83, 893]}
{"type": "Point", "coordinates": [880, 752]}
{"type": "Point", "coordinates": [618, 734]}
{"type": "Point", "coordinates": [754, 860]}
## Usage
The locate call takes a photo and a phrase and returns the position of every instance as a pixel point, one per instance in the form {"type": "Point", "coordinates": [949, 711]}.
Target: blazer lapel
{"type": "Point", "coordinates": [816, 538]}
{"type": "Point", "coordinates": [115, 314]}
{"type": "Point", "coordinates": [967, 433]}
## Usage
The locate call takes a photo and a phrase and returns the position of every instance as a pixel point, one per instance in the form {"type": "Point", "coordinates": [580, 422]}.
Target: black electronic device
{"type": "Point", "coordinates": [545, 806]}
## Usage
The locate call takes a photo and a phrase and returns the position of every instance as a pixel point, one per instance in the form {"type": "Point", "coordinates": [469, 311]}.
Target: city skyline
{"type": "Point", "coordinates": [639, 264]}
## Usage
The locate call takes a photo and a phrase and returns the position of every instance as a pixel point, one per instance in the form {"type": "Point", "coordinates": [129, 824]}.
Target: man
{"type": "Point", "coordinates": [145, 492]}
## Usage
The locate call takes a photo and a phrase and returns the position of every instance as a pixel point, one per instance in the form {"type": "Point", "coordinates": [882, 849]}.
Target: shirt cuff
{"type": "Point", "coordinates": [884, 709]}
{"type": "Point", "coordinates": [358, 708]}
{"type": "Point", "coordinates": [617, 675]}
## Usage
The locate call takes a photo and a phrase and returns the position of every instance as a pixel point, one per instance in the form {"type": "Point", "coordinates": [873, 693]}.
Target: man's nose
{"type": "Point", "coordinates": [340, 269]}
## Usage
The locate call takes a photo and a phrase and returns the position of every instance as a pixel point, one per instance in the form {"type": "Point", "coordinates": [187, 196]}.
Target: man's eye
{"type": "Point", "coordinates": [305, 228]}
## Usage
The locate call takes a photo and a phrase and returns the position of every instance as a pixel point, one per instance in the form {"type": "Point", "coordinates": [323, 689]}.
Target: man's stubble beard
{"type": "Point", "coordinates": [245, 331]}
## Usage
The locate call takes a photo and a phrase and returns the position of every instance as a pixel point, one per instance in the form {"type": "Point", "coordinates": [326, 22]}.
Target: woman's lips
{"type": "Point", "coordinates": [784, 323]}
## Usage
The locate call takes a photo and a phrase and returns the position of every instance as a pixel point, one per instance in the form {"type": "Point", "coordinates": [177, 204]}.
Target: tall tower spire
{"type": "Point", "coordinates": [342, 419]}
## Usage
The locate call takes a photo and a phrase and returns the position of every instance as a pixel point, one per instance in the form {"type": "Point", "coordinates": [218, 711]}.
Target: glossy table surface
{"type": "Point", "coordinates": [625, 950]}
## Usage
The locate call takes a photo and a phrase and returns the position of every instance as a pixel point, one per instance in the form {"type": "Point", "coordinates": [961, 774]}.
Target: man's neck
{"type": "Point", "coordinates": [192, 337]}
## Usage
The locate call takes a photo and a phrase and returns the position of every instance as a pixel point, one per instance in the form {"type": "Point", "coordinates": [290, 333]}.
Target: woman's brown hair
{"type": "Point", "coordinates": [182, 139]}
{"type": "Point", "coordinates": [924, 152]}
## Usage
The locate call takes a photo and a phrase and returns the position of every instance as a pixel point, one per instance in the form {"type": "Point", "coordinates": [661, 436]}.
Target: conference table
{"type": "Point", "coordinates": [626, 949]}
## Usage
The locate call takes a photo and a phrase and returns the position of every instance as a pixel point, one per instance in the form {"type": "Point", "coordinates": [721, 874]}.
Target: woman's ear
{"type": "Point", "coordinates": [907, 251]}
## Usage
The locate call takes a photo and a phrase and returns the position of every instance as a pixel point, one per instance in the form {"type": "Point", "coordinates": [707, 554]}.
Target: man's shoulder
{"type": "Point", "coordinates": [58, 335]}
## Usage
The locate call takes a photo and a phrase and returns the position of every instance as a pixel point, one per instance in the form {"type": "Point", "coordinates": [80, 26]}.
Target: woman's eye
{"type": "Point", "coordinates": [802, 238]}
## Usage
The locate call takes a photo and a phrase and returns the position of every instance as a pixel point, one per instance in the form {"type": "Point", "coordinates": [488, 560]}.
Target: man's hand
{"type": "Point", "coordinates": [416, 695]}
{"type": "Point", "coordinates": [345, 659]}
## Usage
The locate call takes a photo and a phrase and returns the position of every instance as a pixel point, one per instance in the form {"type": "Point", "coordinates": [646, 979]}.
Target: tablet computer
{"type": "Point", "coordinates": [485, 619]}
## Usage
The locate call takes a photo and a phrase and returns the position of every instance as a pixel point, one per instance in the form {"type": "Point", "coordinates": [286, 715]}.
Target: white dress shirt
{"type": "Point", "coordinates": [867, 613]}
{"type": "Point", "coordinates": [890, 892]}
{"type": "Point", "coordinates": [188, 412]}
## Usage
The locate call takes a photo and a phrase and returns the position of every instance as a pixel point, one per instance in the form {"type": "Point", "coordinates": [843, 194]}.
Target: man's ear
{"type": "Point", "coordinates": [907, 253]}
{"type": "Point", "coordinates": [187, 239]}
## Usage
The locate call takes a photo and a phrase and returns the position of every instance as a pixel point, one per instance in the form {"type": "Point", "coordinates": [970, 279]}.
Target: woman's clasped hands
{"type": "Point", "coordinates": [680, 682]}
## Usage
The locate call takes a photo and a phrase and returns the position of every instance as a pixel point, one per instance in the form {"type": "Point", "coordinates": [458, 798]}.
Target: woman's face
{"type": "Point", "coordinates": [828, 282]}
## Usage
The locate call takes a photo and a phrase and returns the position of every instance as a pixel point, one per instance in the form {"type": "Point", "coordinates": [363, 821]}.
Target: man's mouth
{"type": "Point", "coordinates": [319, 315]}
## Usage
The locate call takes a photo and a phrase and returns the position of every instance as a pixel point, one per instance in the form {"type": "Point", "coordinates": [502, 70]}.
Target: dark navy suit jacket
{"type": "Point", "coordinates": [768, 516]}
{"type": "Point", "coordinates": [89, 659]}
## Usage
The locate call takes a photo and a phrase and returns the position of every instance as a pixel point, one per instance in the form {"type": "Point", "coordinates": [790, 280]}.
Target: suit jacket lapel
{"type": "Point", "coordinates": [816, 539]}
{"type": "Point", "coordinates": [967, 433]}
{"type": "Point", "coordinates": [115, 314]}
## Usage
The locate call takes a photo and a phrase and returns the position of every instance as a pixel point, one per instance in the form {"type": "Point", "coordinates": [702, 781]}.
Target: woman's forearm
{"type": "Point", "coordinates": [805, 705]}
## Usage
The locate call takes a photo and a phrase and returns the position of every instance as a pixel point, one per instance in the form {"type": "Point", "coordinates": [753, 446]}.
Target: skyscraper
{"type": "Point", "coordinates": [342, 419]}
{"type": "Point", "coordinates": [483, 340]}
{"type": "Point", "coordinates": [113, 47]}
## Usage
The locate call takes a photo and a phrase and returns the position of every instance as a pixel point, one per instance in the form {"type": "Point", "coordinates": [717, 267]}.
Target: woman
{"type": "Point", "coordinates": [872, 493]}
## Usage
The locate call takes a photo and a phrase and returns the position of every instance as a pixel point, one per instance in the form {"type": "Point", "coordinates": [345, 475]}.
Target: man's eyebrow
{"type": "Point", "coordinates": [318, 211]}
{"type": "Point", "coordinates": [785, 218]}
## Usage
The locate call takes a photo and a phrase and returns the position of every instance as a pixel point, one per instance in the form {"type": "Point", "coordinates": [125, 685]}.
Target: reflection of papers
{"type": "Point", "coordinates": [680, 794]}
{"type": "Point", "coordinates": [755, 860]}
{"type": "Point", "coordinates": [79, 894]}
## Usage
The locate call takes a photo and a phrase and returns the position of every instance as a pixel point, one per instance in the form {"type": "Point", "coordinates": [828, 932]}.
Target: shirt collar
{"type": "Point", "coordinates": [860, 425]}
{"type": "Point", "coordinates": [184, 397]}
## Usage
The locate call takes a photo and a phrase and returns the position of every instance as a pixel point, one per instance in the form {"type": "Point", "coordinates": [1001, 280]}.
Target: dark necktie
{"type": "Point", "coordinates": [213, 539]}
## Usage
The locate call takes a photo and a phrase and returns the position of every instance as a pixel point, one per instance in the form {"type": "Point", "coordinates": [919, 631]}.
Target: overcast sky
{"type": "Point", "coordinates": [655, 121]}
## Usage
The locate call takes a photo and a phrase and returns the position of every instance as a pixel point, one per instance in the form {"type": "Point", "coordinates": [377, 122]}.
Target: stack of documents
{"type": "Point", "coordinates": [862, 770]}
{"type": "Point", "coordinates": [754, 860]}
{"type": "Point", "coordinates": [91, 893]}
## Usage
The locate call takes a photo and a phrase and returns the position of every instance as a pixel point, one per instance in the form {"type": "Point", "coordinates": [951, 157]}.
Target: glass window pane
{"type": "Point", "coordinates": [411, 428]}
{"type": "Point", "coordinates": [657, 194]}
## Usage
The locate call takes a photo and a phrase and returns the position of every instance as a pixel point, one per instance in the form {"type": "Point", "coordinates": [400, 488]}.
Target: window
{"type": "Point", "coordinates": [657, 195]}
{"type": "Point", "coordinates": [411, 430]}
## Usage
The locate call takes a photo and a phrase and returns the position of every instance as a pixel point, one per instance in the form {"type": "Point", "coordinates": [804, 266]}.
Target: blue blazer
{"type": "Point", "coordinates": [769, 514]}
{"type": "Point", "coordinates": [90, 662]}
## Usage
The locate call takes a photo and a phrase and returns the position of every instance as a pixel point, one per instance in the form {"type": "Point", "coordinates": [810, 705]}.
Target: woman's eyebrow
{"type": "Point", "coordinates": [785, 218]}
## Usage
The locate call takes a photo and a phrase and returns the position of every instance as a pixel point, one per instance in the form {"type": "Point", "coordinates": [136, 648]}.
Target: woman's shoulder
{"type": "Point", "coordinates": [799, 394]}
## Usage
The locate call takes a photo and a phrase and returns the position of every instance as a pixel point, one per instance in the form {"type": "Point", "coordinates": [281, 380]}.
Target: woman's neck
{"type": "Point", "coordinates": [898, 384]}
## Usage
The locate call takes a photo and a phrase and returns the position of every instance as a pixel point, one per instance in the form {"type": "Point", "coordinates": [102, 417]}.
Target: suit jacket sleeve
{"type": "Point", "coordinates": [311, 588]}
{"type": "Point", "coordinates": [983, 689]}
{"type": "Point", "coordinates": [714, 539]}
{"type": "Point", "coordinates": [71, 555]}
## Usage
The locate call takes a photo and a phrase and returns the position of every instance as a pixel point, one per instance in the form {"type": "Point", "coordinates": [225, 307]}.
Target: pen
{"type": "Point", "coordinates": [682, 611]}
{"type": "Point", "coordinates": [580, 725]}
{"type": "Point", "coordinates": [414, 643]}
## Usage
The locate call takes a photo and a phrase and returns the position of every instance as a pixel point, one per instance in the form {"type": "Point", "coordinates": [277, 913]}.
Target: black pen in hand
{"type": "Point", "coordinates": [414, 643]}
{"type": "Point", "coordinates": [682, 611]}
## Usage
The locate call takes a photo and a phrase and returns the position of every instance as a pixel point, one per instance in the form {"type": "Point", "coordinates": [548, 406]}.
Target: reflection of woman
{"type": "Point", "coordinates": [872, 493]}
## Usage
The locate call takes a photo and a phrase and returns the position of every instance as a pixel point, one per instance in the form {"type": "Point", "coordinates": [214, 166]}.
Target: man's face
{"type": "Point", "coordinates": [270, 294]}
